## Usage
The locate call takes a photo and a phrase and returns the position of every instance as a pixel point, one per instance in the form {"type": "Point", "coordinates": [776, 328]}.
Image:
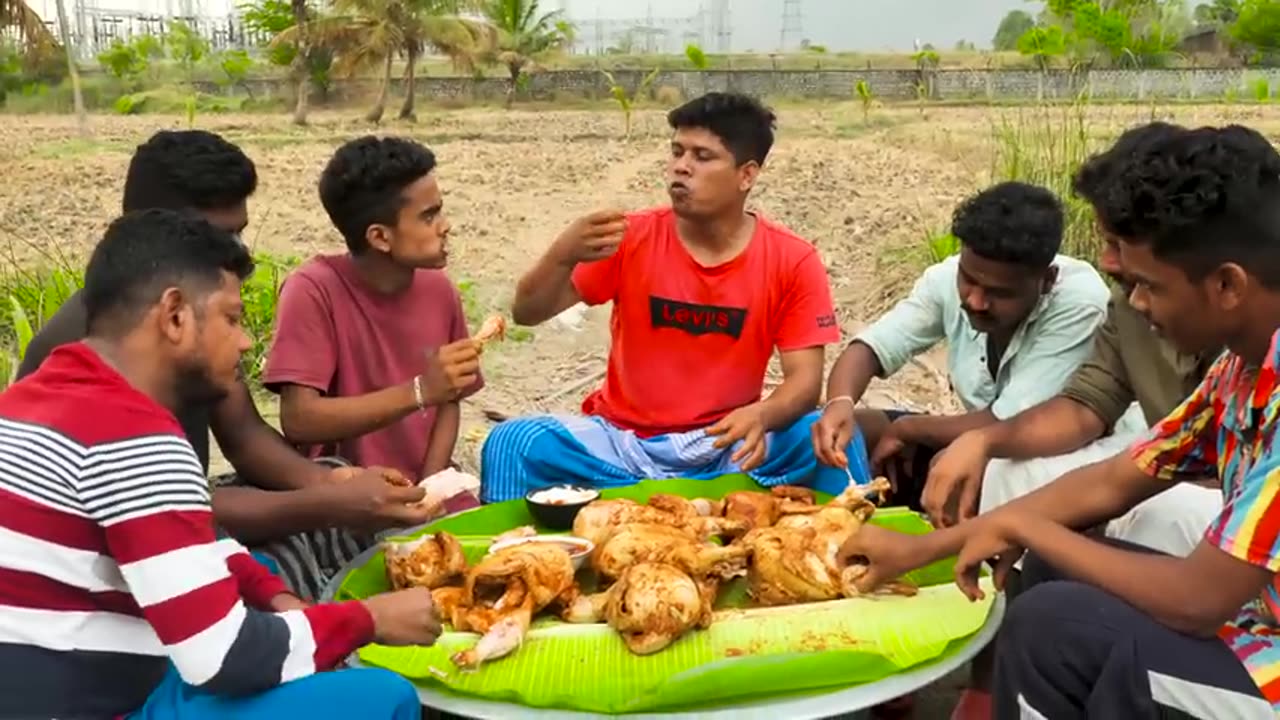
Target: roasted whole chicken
{"type": "Point", "coordinates": [431, 561]}
{"type": "Point", "coordinates": [798, 559]}
{"type": "Point", "coordinates": [597, 520]}
{"type": "Point", "coordinates": [650, 605]}
{"type": "Point", "coordinates": [636, 543]}
{"type": "Point", "coordinates": [503, 592]}
{"type": "Point", "coordinates": [667, 577]}
{"type": "Point", "coordinates": [757, 509]}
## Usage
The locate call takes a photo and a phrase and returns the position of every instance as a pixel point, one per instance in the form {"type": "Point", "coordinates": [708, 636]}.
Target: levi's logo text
{"type": "Point", "coordinates": [697, 319]}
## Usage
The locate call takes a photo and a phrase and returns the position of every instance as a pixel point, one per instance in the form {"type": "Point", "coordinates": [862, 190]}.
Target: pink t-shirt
{"type": "Point", "coordinates": [338, 336]}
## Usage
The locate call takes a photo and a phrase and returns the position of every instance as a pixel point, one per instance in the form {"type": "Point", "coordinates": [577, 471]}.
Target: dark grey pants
{"type": "Point", "coordinates": [1069, 650]}
{"type": "Point", "coordinates": [308, 561]}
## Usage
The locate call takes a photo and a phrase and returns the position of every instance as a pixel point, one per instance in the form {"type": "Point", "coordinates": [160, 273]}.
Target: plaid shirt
{"type": "Point", "coordinates": [1225, 430]}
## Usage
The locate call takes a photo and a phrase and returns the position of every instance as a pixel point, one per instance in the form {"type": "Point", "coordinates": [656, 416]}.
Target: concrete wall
{"type": "Point", "coordinates": [949, 85]}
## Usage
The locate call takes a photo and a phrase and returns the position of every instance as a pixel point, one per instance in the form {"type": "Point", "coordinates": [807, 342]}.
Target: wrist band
{"type": "Point", "coordinates": [837, 399]}
{"type": "Point", "coordinates": [417, 392]}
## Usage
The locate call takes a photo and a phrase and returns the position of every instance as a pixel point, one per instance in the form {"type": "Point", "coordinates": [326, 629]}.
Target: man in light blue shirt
{"type": "Point", "coordinates": [1017, 317]}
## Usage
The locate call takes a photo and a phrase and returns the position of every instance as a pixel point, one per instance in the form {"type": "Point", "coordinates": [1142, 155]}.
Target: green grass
{"type": "Point", "coordinates": [1044, 145]}
{"type": "Point", "coordinates": [29, 297]}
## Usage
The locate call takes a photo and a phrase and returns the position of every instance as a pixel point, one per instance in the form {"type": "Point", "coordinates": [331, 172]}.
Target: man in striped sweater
{"type": "Point", "coordinates": [116, 597]}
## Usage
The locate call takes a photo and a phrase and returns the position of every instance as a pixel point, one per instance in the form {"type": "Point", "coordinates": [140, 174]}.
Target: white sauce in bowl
{"type": "Point", "coordinates": [563, 496]}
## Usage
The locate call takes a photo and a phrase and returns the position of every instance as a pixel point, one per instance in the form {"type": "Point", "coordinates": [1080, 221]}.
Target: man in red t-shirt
{"type": "Point", "coordinates": [703, 293]}
{"type": "Point", "coordinates": [371, 353]}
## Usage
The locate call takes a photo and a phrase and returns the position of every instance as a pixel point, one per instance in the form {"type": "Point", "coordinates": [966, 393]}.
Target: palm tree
{"type": "Point", "coordinates": [526, 35]}
{"type": "Point", "coordinates": [82, 120]}
{"type": "Point", "coordinates": [371, 33]}
{"type": "Point", "coordinates": [38, 45]}
{"type": "Point", "coordinates": [438, 24]}
{"type": "Point", "coordinates": [301, 70]}
{"type": "Point", "coordinates": [33, 37]}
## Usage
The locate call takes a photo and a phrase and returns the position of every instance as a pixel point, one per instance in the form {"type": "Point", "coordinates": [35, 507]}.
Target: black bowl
{"type": "Point", "coordinates": [559, 515]}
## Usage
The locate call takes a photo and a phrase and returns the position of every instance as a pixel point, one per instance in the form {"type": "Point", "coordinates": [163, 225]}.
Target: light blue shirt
{"type": "Point", "coordinates": [1046, 349]}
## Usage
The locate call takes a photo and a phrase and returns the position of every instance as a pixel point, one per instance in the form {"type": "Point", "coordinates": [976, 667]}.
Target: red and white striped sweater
{"type": "Point", "coordinates": [109, 566]}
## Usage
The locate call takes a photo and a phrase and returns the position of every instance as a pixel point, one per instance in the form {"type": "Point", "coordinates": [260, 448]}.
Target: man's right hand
{"type": "Point", "coordinates": [449, 371]}
{"type": "Point", "coordinates": [404, 617]}
{"type": "Point", "coordinates": [831, 434]}
{"type": "Point", "coordinates": [956, 475]}
{"type": "Point", "coordinates": [591, 237]}
{"type": "Point", "coordinates": [887, 554]}
{"type": "Point", "coordinates": [367, 501]}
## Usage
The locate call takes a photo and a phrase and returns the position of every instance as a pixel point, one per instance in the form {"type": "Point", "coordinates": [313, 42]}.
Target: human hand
{"type": "Point", "coordinates": [887, 555]}
{"type": "Point", "coordinates": [956, 475]}
{"type": "Point", "coordinates": [373, 499]}
{"type": "Point", "coordinates": [389, 475]}
{"type": "Point", "coordinates": [994, 537]}
{"type": "Point", "coordinates": [894, 448]}
{"type": "Point", "coordinates": [832, 432]}
{"type": "Point", "coordinates": [404, 617]}
{"type": "Point", "coordinates": [449, 371]}
{"type": "Point", "coordinates": [592, 237]}
{"type": "Point", "coordinates": [745, 424]}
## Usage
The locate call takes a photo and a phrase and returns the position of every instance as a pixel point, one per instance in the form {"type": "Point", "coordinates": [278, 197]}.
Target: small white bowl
{"type": "Point", "coordinates": [579, 548]}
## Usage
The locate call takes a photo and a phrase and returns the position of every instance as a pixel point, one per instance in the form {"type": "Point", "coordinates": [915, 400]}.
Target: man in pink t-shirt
{"type": "Point", "coordinates": [704, 293]}
{"type": "Point", "coordinates": [372, 353]}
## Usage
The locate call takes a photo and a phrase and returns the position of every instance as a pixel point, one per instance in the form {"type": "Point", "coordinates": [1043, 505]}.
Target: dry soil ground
{"type": "Point", "coordinates": [865, 193]}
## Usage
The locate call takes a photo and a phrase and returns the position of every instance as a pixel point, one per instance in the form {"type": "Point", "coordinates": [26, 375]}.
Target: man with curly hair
{"type": "Point", "coordinates": [1017, 317]}
{"type": "Point", "coordinates": [291, 511]}
{"type": "Point", "coordinates": [704, 293]}
{"type": "Point", "coordinates": [1110, 629]}
{"type": "Point", "coordinates": [372, 353]}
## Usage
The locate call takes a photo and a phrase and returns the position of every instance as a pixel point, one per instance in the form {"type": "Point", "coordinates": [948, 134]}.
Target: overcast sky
{"type": "Point", "coordinates": [757, 24]}
{"type": "Point", "coordinates": [838, 24]}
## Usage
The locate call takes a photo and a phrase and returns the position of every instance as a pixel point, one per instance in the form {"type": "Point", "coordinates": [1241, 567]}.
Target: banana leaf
{"type": "Point", "coordinates": [747, 652]}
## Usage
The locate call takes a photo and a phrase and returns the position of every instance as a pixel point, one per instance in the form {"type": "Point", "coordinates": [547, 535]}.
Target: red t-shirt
{"type": "Point", "coordinates": [338, 336]}
{"type": "Point", "coordinates": [690, 344]}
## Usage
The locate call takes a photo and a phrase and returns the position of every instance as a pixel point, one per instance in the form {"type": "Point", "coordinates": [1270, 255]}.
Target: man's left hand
{"type": "Point", "coordinates": [746, 424]}
{"type": "Point", "coordinates": [998, 538]}
{"type": "Point", "coordinates": [895, 443]}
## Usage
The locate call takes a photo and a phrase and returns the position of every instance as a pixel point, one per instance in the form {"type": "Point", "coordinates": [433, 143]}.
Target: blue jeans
{"type": "Point", "coordinates": [340, 694]}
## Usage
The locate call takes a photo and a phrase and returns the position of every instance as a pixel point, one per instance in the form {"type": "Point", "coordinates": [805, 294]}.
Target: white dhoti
{"type": "Point", "coordinates": [1173, 521]}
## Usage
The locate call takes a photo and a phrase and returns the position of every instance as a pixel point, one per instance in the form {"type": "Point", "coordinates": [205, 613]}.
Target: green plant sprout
{"type": "Point", "coordinates": [626, 102]}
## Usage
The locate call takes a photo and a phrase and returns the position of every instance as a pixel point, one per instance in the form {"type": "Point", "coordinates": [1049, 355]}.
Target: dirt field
{"type": "Point", "coordinates": [865, 193]}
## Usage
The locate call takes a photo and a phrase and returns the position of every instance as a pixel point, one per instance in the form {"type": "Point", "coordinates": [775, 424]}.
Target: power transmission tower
{"type": "Point", "coordinates": [721, 25]}
{"type": "Point", "coordinates": [792, 23]}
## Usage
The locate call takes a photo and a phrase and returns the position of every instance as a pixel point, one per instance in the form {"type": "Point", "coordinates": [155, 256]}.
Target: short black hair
{"type": "Point", "coordinates": [1012, 222]}
{"type": "Point", "coordinates": [1092, 181]}
{"type": "Point", "coordinates": [1201, 198]}
{"type": "Point", "coordinates": [742, 123]}
{"type": "Point", "coordinates": [146, 251]}
{"type": "Point", "coordinates": [363, 181]}
{"type": "Point", "coordinates": [179, 169]}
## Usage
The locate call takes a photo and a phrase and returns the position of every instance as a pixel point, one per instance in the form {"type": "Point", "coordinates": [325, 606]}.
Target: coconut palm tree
{"type": "Point", "coordinates": [33, 37]}
{"type": "Point", "coordinates": [39, 45]}
{"type": "Point", "coordinates": [372, 33]}
{"type": "Point", "coordinates": [82, 120]}
{"type": "Point", "coordinates": [439, 24]}
{"type": "Point", "coordinates": [301, 71]}
{"type": "Point", "coordinates": [526, 35]}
